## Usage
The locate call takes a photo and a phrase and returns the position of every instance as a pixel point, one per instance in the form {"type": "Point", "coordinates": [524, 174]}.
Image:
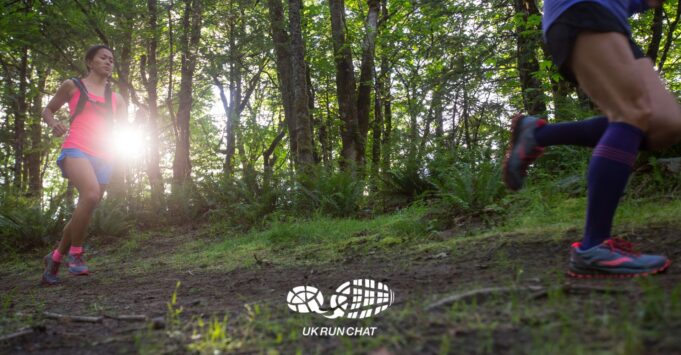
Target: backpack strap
{"type": "Point", "coordinates": [108, 102]}
{"type": "Point", "coordinates": [82, 100]}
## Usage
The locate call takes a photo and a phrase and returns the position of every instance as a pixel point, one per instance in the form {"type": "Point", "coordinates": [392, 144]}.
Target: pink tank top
{"type": "Point", "coordinates": [91, 131]}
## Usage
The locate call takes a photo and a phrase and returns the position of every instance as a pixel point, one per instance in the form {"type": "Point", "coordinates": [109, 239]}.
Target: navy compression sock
{"type": "Point", "coordinates": [609, 171]}
{"type": "Point", "coordinates": [583, 133]}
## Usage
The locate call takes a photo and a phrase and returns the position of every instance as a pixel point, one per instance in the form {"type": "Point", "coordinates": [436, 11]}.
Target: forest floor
{"type": "Point", "coordinates": [196, 289]}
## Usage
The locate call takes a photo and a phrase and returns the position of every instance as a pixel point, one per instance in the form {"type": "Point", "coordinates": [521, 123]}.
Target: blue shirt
{"type": "Point", "coordinates": [622, 9]}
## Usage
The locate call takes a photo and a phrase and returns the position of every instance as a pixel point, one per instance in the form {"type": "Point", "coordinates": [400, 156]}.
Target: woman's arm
{"type": "Point", "coordinates": [60, 98]}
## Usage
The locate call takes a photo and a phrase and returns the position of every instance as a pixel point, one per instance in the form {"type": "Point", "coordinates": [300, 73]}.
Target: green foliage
{"type": "Point", "coordinates": [186, 203]}
{"type": "Point", "coordinates": [659, 309]}
{"type": "Point", "coordinates": [406, 184]}
{"type": "Point", "coordinates": [654, 179]}
{"type": "Point", "coordinates": [212, 337]}
{"type": "Point", "coordinates": [174, 311]}
{"type": "Point", "coordinates": [26, 225]}
{"type": "Point", "coordinates": [470, 188]}
{"type": "Point", "coordinates": [110, 218]}
{"type": "Point", "coordinates": [336, 194]}
{"type": "Point", "coordinates": [237, 204]}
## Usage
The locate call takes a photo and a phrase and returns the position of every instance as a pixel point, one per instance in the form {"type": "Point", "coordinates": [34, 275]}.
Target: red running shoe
{"type": "Point", "coordinates": [51, 271]}
{"type": "Point", "coordinates": [77, 265]}
{"type": "Point", "coordinates": [614, 258]}
{"type": "Point", "coordinates": [522, 151]}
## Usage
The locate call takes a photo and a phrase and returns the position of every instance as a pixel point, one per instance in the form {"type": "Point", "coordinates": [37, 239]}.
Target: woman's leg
{"type": "Point", "coordinates": [665, 120]}
{"type": "Point", "coordinates": [608, 72]}
{"type": "Point", "coordinates": [82, 175]}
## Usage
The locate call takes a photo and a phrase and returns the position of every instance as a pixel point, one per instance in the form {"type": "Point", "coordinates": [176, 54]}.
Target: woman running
{"type": "Point", "coordinates": [86, 153]}
{"type": "Point", "coordinates": [590, 42]}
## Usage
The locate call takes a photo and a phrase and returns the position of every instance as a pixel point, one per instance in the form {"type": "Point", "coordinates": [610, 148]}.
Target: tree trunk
{"type": "Point", "coordinates": [153, 162]}
{"type": "Point", "coordinates": [669, 38]}
{"type": "Point", "coordinates": [529, 39]}
{"type": "Point", "coordinates": [465, 116]}
{"type": "Point", "coordinates": [656, 37]}
{"type": "Point", "coordinates": [282, 50]}
{"type": "Point", "coordinates": [125, 60]}
{"type": "Point", "coordinates": [190, 39]}
{"type": "Point", "coordinates": [315, 122]}
{"type": "Point", "coordinates": [269, 160]}
{"type": "Point", "coordinates": [386, 98]}
{"type": "Point", "coordinates": [117, 187]}
{"type": "Point", "coordinates": [324, 139]}
{"type": "Point", "coordinates": [561, 97]}
{"type": "Point", "coordinates": [19, 120]}
{"type": "Point", "coordinates": [7, 171]}
{"type": "Point", "coordinates": [434, 115]}
{"type": "Point", "coordinates": [345, 86]}
{"type": "Point", "coordinates": [35, 181]}
{"type": "Point", "coordinates": [384, 92]}
{"type": "Point", "coordinates": [366, 80]}
{"type": "Point", "coordinates": [300, 90]}
{"type": "Point", "coordinates": [377, 129]}
{"type": "Point", "coordinates": [229, 128]}
{"type": "Point", "coordinates": [454, 135]}
{"type": "Point", "coordinates": [439, 117]}
{"type": "Point", "coordinates": [171, 69]}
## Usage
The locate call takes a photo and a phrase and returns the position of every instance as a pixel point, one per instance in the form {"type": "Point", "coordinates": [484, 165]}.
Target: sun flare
{"type": "Point", "coordinates": [129, 142]}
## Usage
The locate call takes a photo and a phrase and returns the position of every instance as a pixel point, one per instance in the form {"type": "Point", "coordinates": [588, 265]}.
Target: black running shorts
{"type": "Point", "coordinates": [584, 16]}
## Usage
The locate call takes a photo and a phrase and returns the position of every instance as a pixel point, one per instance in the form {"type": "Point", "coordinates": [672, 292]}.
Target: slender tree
{"type": "Point", "coordinates": [366, 78]}
{"type": "Point", "coordinates": [191, 35]}
{"type": "Point", "coordinates": [528, 41]}
{"type": "Point", "coordinates": [301, 108]}
{"type": "Point", "coordinates": [150, 80]}
{"type": "Point", "coordinates": [345, 86]}
{"type": "Point", "coordinates": [282, 51]}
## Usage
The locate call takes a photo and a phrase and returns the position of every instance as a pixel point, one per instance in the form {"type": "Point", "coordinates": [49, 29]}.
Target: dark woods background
{"type": "Point", "coordinates": [271, 109]}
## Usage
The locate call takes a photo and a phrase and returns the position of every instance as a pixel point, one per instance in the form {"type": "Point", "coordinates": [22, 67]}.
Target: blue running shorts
{"type": "Point", "coordinates": [102, 168]}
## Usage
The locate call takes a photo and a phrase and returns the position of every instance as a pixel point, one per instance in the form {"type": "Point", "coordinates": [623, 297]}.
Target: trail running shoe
{"type": "Point", "coordinates": [522, 151]}
{"type": "Point", "coordinates": [77, 265]}
{"type": "Point", "coordinates": [614, 258]}
{"type": "Point", "coordinates": [51, 271]}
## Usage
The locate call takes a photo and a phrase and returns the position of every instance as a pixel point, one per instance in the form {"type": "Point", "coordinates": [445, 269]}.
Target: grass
{"type": "Point", "coordinates": [323, 239]}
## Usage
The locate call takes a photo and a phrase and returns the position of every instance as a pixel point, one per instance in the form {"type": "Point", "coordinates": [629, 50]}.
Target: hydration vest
{"type": "Point", "coordinates": [84, 98]}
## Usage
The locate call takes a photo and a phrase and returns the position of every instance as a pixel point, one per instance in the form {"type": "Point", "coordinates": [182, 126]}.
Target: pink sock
{"type": "Point", "coordinates": [56, 256]}
{"type": "Point", "coordinates": [76, 250]}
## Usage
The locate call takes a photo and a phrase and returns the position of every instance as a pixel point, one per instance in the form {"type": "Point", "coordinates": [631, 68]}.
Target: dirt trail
{"type": "Point", "coordinates": [413, 277]}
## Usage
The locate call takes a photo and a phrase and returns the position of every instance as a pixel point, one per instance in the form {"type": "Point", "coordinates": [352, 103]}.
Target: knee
{"type": "Point", "coordinates": [90, 197]}
{"type": "Point", "coordinates": [638, 112]}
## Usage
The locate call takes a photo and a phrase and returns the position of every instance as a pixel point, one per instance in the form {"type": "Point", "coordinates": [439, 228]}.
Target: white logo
{"type": "Point", "coordinates": [354, 299]}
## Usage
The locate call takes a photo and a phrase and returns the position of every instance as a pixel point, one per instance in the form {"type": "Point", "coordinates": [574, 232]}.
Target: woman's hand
{"type": "Point", "coordinates": [58, 128]}
{"type": "Point", "coordinates": [63, 94]}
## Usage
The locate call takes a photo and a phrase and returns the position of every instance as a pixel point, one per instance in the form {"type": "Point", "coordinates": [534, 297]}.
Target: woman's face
{"type": "Point", "coordinates": [102, 63]}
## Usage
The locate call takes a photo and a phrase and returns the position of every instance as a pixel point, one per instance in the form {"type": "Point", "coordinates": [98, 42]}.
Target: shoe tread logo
{"type": "Point", "coordinates": [356, 299]}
